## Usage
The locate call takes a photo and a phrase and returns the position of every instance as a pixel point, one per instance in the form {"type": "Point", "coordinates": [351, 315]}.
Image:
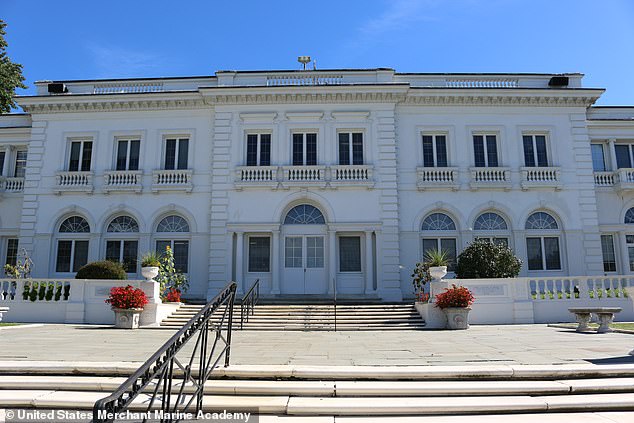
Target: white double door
{"type": "Point", "coordinates": [304, 263]}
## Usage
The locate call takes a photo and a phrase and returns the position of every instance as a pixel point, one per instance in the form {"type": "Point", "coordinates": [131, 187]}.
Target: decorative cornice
{"type": "Point", "coordinates": [304, 98]}
{"type": "Point", "coordinates": [479, 99]}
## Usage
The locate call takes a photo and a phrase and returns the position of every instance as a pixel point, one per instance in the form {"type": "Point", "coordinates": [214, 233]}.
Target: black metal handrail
{"type": "Point", "coordinates": [160, 369]}
{"type": "Point", "coordinates": [248, 303]}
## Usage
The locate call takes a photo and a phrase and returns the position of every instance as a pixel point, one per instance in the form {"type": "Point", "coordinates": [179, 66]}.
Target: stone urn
{"type": "Point", "coordinates": [127, 318]}
{"type": "Point", "coordinates": [437, 284]}
{"type": "Point", "coordinates": [457, 317]}
{"type": "Point", "coordinates": [438, 272]}
{"type": "Point", "coordinates": [150, 273]}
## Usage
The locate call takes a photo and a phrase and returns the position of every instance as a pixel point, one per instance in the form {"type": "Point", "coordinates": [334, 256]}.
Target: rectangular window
{"type": "Point", "coordinates": [2, 153]}
{"type": "Point", "coordinates": [623, 157]}
{"type": "Point", "coordinates": [305, 149]}
{"type": "Point", "coordinates": [20, 164]}
{"type": "Point", "coordinates": [350, 148]}
{"type": "Point", "coordinates": [293, 252]}
{"type": "Point", "coordinates": [124, 252]}
{"type": "Point", "coordinates": [434, 151]}
{"type": "Point", "coordinates": [71, 255]}
{"type": "Point", "coordinates": [180, 249]}
{"type": "Point", "coordinates": [259, 254]}
{"type": "Point", "coordinates": [598, 157]}
{"type": "Point", "coordinates": [349, 254]}
{"type": "Point", "coordinates": [609, 257]}
{"type": "Point", "coordinates": [629, 239]}
{"type": "Point", "coordinates": [442, 244]}
{"type": "Point", "coordinates": [315, 252]}
{"type": "Point", "coordinates": [12, 251]}
{"type": "Point", "coordinates": [80, 156]}
{"type": "Point", "coordinates": [534, 253]}
{"type": "Point", "coordinates": [128, 154]}
{"type": "Point", "coordinates": [543, 253]}
{"type": "Point", "coordinates": [64, 252]}
{"type": "Point", "coordinates": [485, 150]}
{"type": "Point", "coordinates": [258, 149]}
{"type": "Point", "coordinates": [535, 153]}
{"type": "Point", "coordinates": [176, 153]}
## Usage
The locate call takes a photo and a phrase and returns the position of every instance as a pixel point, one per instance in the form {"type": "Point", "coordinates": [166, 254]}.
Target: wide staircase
{"type": "Point", "coordinates": [497, 393]}
{"type": "Point", "coordinates": [313, 317]}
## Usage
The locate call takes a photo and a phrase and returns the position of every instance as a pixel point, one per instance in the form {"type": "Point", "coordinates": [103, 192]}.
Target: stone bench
{"type": "Point", "coordinates": [2, 311]}
{"type": "Point", "coordinates": [605, 314]}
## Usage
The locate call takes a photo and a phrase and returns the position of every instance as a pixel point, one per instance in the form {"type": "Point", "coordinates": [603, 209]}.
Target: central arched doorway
{"type": "Point", "coordinates": [304, 251]}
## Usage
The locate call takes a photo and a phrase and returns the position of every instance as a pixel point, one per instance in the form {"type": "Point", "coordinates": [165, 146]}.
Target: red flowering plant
{"type": "Point", "coordinates": [127, 297]}
{"type": "Point", "coordinates": [173, 296]}
{"type": "Point", "coordinates": [456, 296]}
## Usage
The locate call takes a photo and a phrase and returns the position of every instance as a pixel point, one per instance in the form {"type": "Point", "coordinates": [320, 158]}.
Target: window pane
{"type": "Point", "coordinates": [349, 254]}
{"type": "Point", "coordinates": [311, 149]}
{"type": "Point", "coordinates": [20, 164]}
{"type": "Point", "coordinates": [344, 148]}
{"type": "Point", "coordinates": [183, 151]}
{"type": "Point", "coordinates": [259, 254]}
{"type": "Point", "coordinates": [122, 152]}
{"type": "Point", "coordinates": [1, 162]}
{"type": "Point", "coordinates": [298, 149]}
{"type": "Point", "coordinates": [478, 150]}
{"type": "Point", "coordinates": [428, 151]}
{"type": "Point", "coordinates": [81, 255]}
{"type": "Point", "coordinates": [357, 148]}
{"type": "Point", "coordinates": [542, 155]}
{"type": "Point", "coordinates": [252, 150]}
{"type": "Point", "coordinates": [181, 256]}
{"type": "Point", "coordinates": [622, 156]}
{"type": "Point", "coordinates": [293, 252]}
{"type": "Point", "coordinates": [170, 154]}
{"type": "Point", "coordinates": [130, 255]}
{"type": "Point", "coordinates": [529, 154]}
{"type": "Point", "coordinates": [429, 244]}
{"type": "Point", "coordinates": [85, 156]}
{"type": "Point", "coordinates": [75, 149]}
{"type": "Point", "coordinates": [265, 150]}
{"type": "Point", "coordinates": [630, 252]}
{"type": "Point", "coordinates": [501, 241]}
{"type": "Point", "coordinates": [113, 250]}
{"type": "Point", "coordinates": [492, 151]}
{"type": "Point", "coordinates": [553, 261]}
{"type": "Point", "coordinates": [441, 151]}
{"type": "Point", "coordinates": [63, 256]}
{"type": "Point", "coordinates": [315, 252]}
{"type": "Point", "coordinates": [449, 245]}
{"type": "Point", "coordinates": [609, 258]}
{"type": "Point", "coordinates": [534, 253]}
{"type": "Point", "coordinates": [161, 246]}
{"type": "Point", "coordinates": [598, 159]}
{"type": "Point", "coordinates": [135, 147]}
{"type": "Point", "coordinates": [12, 251]}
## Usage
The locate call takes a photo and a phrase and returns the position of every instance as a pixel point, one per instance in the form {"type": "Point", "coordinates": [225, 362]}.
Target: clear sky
{"type": "Point", "coordinates": [68, 39]}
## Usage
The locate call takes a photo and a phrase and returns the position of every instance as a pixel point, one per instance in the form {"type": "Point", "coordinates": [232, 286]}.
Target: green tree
{"type": "Point", "coordinates": [10, 75]}
{"type": "Point", "coordinates": [484, 259]}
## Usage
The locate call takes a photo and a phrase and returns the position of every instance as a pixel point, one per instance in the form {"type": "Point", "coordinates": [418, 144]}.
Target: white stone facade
{"type": "Point", "coordinates": [394, 163]}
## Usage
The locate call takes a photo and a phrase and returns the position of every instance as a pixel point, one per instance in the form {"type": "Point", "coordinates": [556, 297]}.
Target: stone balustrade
{"type": "Point", "coordinates": [172, 180]}
{"type": "Point", "coordinates": [541, 177]}
{"type": "Point", "coordinates": [437, 178]}
{"type": "Point", "coordinates": [123, 180]}
{"type": "Point", "coordinates": [333, 176]}
{"type": "Point", "coordinates": [11, 184]}
{"type": "Point", "coordinates": [68, 181]}
{"type": "Point", "coordinates": [490, 177]}
{"type": "Point", "coordinates": [127, 87]}
{"type": "Point", "coordinates": [604, 179]}
{"type": "Point", "coordinates": [301, 78]}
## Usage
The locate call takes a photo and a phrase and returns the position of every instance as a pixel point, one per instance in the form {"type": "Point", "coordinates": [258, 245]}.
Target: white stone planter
{"type": "Point", "coordinates": [127, 318]}
{"type": "Point", "coordinates": [437, 285]}
{"type": "Point", "coordinates": [457, 317]}
{"type": "Point", "coordinates": [150, 272]}
{"type": "Point", "coordinates": [438, 272]}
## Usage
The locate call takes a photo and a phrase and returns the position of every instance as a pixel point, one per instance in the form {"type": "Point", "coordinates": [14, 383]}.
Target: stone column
{"type": "Point", "coordinates": [612, 154]}
{"type": "Point", "coordinates": [332, 261]}
{"type": "Point", "coordinates": [625, 256]}
{"type": "Point", "coordinates": [240, 261]}
{"type": "Point", "coordinates": [369, 263]}
{"type": "Point", "coordinates": [5, 166]}
{"type": "Point", "coordinates": [276, 247]}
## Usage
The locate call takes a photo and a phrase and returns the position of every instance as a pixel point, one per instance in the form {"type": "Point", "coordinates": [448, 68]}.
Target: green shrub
{"type": "Point", "coordinates": [25, 293]}
{"type": "Point", "coordinates": [102, 270]}
{"type": "Point", "coordinates": [484, 259]}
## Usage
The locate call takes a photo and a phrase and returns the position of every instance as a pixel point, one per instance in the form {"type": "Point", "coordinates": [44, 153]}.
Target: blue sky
{"type": "Point", "coordinates": [66, 39]}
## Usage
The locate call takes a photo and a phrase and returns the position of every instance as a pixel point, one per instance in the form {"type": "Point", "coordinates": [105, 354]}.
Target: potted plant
{"type": "Point", "coordinates": [127, 303]}
{"type": "Point", "coordinates": [437, 260]}
{"type": "Point", "coordinates": [456, 303]}
{"type": "Point", "coordinates": [150, 264]}
{"type": "Point", "coordinates": [420, 278]}
{"type": "Point", "coordinates": [170, 278]}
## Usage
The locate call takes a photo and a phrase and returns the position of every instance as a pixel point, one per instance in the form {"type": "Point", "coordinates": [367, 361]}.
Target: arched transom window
{"type": "Point", "coordinates": [74, 224]}
{"type": "Point", "coordinates": [173, 223]}
{"type": "Point", "coordinates": [438, 222]}
{"type": "Point", "coordinates": [123, 224]}
{"type": "Point", "coordinates": [540, 221]}
{"type": "Point", "coordinates": [629, 216]}
{"type": "Point", "coordinates": [542, 242]}
{"type": "Point", "coordinates": [439, 233]}
{"type": "Point", "coordinates": [304, 214]}
{"type": "Point", "coordinates": [491, 226]}
{"type": "Point", "coordinates": [72, 245]}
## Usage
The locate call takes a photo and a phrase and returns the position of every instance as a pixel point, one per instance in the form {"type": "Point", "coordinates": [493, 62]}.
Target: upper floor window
{"type": "Point", "coordinates": [304, 149]}
{"type": "Point", "coordinates": [624, 155]}
{"type": "Point", "coordinates": [535, 154]}
{"type": "Point", "coordinates": [80, 155]}
{"type": "Point", "coordinates": [350, 148]}
{"type": "Point", "coordinates": [176, 153]}
{"type": "Point", "coordinates": [128, 154]}
{"type": "Point", "coordinates": [434, 151]}
{"type": "Point", "coordinates": [598, 157]}
{"type": "Point", "coordinates": [2, 154]}
{"type": "Point", "coordinates": [485, 150]}
{"type": "Point", "coordinates": [20, 164]}
{"type": "Point", "coordinates": [258, 149]}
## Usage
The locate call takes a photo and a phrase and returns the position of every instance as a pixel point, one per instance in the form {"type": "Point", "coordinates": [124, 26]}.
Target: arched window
{"type": "Point", "coordinates": [304, 214]}
{"type": "Point", "coordinates": [122, 243]}
{"type": "Point", "coordinates": [439, 233]}
{"type": "Point", "coordinates": [492, 227]}
{"type": "Point", "coordinates": [72, 244]}
{"type": "Point", "coordinates": [173, 231]}
{"type": "Point", "coordinates": [629, 215]}
{"type": "Point", "coordinates": [542, 242]}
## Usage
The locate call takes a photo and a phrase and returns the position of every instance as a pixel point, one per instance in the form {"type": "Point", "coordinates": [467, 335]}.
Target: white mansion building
{"type": "Point", "coordinates": [307, 179]}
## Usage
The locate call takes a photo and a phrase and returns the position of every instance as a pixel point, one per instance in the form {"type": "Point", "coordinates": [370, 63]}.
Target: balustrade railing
{"type": "Point", "coordinates": [307, 78]}
{"type": "Point", "coordinates": [34, 290]}
{"type": "Point", "coordinates": [482, 177]}
{"type": "Point", "coordinates": [177, 179]}
{"type": "Point", "coordinates": [579, 288]}
{"type": "Point", "coordinates": [304, 173]}
{"type": "Point", "coordinates": [256, 174]}
{"type": "Point", "coordinates": [121, 88]}
{"type": "Point", "coordinates": [11, 184]}
{"type": "Point", "coordinates": [482, 83]}
{"type": "Point", "coordinates": [121, 180]}
{"type": "Point", "coordinates": [604, 179]}
{"type": "Point", "coordinates": [351, 173]}
{"type": "Point", "coordinates": [541, 177]}
{"type": "Point", "coordinates": [437, 177]}
{"type": "Point", "coordinates": [336, 175]}
{"type": "Point", "coordinates": [74, 181]}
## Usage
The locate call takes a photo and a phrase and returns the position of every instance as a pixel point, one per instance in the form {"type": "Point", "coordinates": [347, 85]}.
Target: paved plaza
{"type": "Point", "coordinates": [517, 344]}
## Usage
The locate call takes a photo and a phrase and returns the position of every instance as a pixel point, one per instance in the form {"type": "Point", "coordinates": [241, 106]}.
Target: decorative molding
{"type": "Point", "coordinates": [512, 99]}
{"type": "Point", "coordinates": [258, 116]}
{"type": "Point", "coordinates": [351, 115]}
{"type": "Point", "coordinates": [304, 116]}
{"type": "Point", "coordinates": [70, 105]}
{"type": "Point", "coordinates": [220, 98]}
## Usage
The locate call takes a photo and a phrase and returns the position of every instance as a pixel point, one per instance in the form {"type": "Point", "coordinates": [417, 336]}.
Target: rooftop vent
{"type": "Point", "coordinates": [558, 81]}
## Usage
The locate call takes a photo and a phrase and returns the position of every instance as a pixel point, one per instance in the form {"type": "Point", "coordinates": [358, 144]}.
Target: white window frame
{"type": "Point", "coordinates": [304, 132]}
{"type": "Point", "coordinates": [349, 132]}
{"type": "Point", "coordinates": [630, 150]}
{"type": "Point", "coordinates": [541, 234]}
{"type": "Point", "coordinates": [607, 166]}
{"type": "Point", "coordinates": [178, 136]}
{"type": "Point", "coordinates": [19, 150]}
{"type": "Point", "coordinates": [362, 262]}
{"type": "Point", "coordinates": [72, 239]}
{"type": "Point", "coordinates": [248, 255]}
{"type": "Point", "coordinates": [128, 140]}
{"type": "Point", "coordinates": [435, 150]}
{"type": "Point", "coordinates": [259, 143]}
{"type": "Point", "coordinates": [498, 154]}
{"type": "Point", "coordinates": [80, 140]}
{"type": "Point", "coordinates": [533, 134]}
